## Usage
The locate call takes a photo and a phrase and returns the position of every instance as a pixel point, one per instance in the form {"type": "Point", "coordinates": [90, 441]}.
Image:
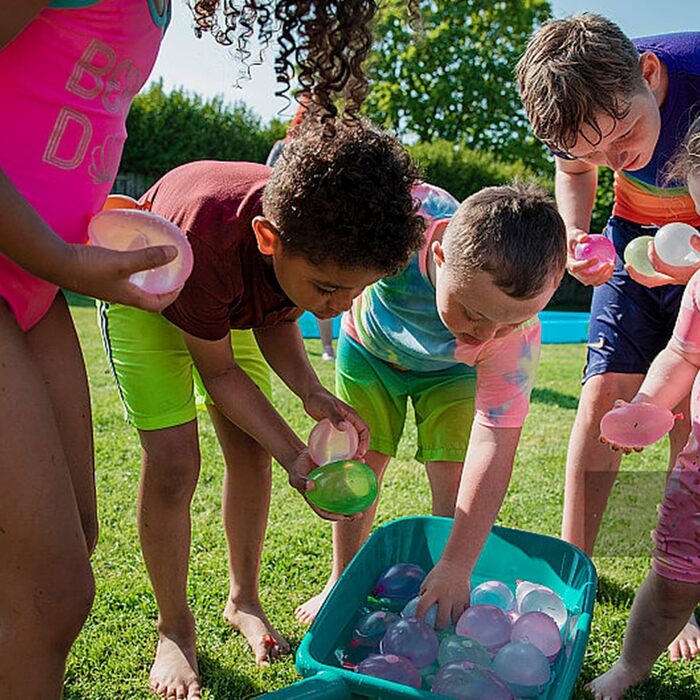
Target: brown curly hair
{"type": "Point", "coordinates": [347, 200]}
{"type": "Point", "coordinates": [326, 40]}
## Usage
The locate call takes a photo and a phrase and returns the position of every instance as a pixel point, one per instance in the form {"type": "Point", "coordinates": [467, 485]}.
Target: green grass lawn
{"type": "Point", "coordinates": [112, 656]}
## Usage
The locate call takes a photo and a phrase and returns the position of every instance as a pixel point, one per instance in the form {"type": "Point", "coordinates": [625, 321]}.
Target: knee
{"type": "Point", "coordinates": [172, 477]}
{"type": "Point", "coordinates": [52, 615]}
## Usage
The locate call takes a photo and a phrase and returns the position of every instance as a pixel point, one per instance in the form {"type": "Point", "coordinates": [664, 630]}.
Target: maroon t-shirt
{"type": "Point", "coordinates": [232, 285]}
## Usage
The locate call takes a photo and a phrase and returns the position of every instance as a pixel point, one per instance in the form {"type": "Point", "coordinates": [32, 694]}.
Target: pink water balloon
{"type": "Point", "coordinates": [523, 667]}
{"type": "Point", "coordinates": [412, 639]}
{"type": "Point", "coordinates": [487, 624]}
{"type": "Point", "coordinates": [539, 629]}
{"type": "Point", "coordinates": [466, 681]}
{"type": "Point", "coordinates": [636, 424]}
{"type": "Point", "coordinates": [597, 246]}
{"type": "Point", "coordinates": [330, 444]}
{"type": "Point", "coordinates": [133, 229]}
{"type": "Point", "coordinates": [391, 667]}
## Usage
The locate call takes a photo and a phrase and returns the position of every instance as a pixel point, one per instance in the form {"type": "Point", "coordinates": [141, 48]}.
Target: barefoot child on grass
{"type": "Point", "coordinates": [334, 215]}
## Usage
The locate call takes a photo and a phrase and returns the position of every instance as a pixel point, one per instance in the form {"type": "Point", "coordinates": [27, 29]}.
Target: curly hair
{"type": "Point", "coordinates": [686, 161]}
{"type": "Point", "coordinates": [573, 71]}
{"type": "Point", "coordinates": [346, 201]}
{"type": "Point", "coordinates": [327, 41]}
{"type": "Point", "coordinates": [514, 233]}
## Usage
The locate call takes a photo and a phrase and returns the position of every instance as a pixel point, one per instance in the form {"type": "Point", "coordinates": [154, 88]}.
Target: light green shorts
{"type": "Point", "coordinates": [156, 378]}
{"type": "Point", "coordinates": [443, 402]}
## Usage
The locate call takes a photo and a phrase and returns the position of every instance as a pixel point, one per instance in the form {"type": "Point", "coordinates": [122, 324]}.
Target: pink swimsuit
{"type": "Point", "coordinates": [677, 535]}
{"type": "Point", "coordinates": [68, 80]}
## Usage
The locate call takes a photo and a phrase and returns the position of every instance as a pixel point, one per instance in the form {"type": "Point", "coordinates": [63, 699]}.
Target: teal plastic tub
{"type": "Point", "coordinates": [508, 555]}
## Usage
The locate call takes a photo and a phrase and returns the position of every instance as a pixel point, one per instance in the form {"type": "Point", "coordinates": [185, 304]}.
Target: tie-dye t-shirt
{"type": "Point", "coordinates": [396, 319]}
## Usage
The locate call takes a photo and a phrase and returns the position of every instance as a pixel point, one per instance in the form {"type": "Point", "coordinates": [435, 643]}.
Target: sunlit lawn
{"type": "Point", "coordinates": [113, 654]}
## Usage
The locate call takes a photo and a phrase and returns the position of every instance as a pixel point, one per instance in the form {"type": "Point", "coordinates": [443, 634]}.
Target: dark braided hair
{"type": "Point", "coordinates": [327, 40]}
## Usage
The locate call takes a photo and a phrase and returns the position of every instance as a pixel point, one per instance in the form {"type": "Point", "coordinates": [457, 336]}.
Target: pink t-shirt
{"type": "Point", "coordinates": [68, 80]}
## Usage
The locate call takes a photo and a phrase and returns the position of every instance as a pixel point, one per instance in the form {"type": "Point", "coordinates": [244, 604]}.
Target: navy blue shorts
{"type": "Point", "coordinates": [630, 324]}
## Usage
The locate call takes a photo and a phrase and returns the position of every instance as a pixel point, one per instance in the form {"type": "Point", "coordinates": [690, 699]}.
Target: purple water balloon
{"type": "Point", "coordinates": [489, 625]}
{"type": "Point", "coordinates": [370, 628]}
{"type": "Point", "coordinates": [412, 639]}
{"type": "Point", "coordinates": [456, 648]}
{"type": "Point", "coordinates": [523, 667]}
{"type": "Point", "coordinates": [596, 246]}
{"type": "Point", "coordinates": [466, 681]}
{"type": "Point", "coordinates": [493, 593]}
{"type": "Point", "coordinates": [391, 667]}
{"type": "Point", "coordinates": [539, 629]}
{"type": "Point", "coordinates": [399, 581]}
{"type": "Point", "coordinates": [410, 611]}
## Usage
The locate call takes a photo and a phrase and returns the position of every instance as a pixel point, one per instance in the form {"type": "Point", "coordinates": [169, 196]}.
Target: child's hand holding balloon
{"type": "Point", "coordinates": [630, 427]}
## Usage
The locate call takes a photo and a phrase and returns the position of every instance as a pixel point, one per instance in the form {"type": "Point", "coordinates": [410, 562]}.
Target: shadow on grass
{"type": "Point", "coordinates": [610, 591]}
{"type": "Point", "coordinates": [224, 683]}
{"type": "Point", "coordinates": [554, 398]}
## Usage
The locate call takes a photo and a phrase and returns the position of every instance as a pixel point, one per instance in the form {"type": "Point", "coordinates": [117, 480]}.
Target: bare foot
{"type": "Point", "coordinates": [306, 612]}
{"type": "Point", "coordinates": [174, 673]}
{"type": "Point", "coordinates": [265, 641]}
{"type": "Point", "coordinates": [687, 644]}
{"type": "Point", "coordinates": [613, 684]}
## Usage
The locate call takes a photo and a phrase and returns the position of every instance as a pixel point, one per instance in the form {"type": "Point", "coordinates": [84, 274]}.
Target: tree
{"type": "Point", "coordinates": [453, 78]}
{"type": "Point", "coordinates": [168, 129]}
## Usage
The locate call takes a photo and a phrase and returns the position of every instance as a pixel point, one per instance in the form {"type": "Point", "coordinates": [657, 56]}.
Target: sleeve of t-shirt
{"type": "Point", "coordinates": [686, 333]}
{"type": "Point", "coordinates": [505, 375]}
{"type": "Point", "coordinates": [202, 308]}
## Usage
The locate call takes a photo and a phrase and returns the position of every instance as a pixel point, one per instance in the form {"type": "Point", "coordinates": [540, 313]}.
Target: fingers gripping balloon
{"type": "Point", "coordinates": [636, 424]}
{"type": "Point", "coordinates": [133, 229]}
{"type": "Point", "coordinates": [672, 245]}
{"type": "Point", "coordinates": [637, 255]}
{"type": "Point", "coordinates": [596, 246]}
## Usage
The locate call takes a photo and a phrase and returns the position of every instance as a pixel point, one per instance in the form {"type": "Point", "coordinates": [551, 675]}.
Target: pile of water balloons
{"type": "Point", "coordinates": [672, 244]}
{"type": "Point", "coordinates": [341, 485]}
{"type": "Point", "coordinates": [122, 226]}
{"type": "Point", "coordinates": [503, 646]}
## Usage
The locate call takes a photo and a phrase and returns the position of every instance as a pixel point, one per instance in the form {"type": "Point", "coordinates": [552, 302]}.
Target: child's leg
{"type": "Point", "coordinates": [348, 537]}
{"type": "Point", "coordinates": [46, 585]}
{"type": "Point", "coordinates": [170, 469]}
{"type": "Point", "coordinates": [661, 608]}
{"type": "Point", "coordinates": [246, 503]}
{"type": "Point", "coordinates": [325, 329]}
{"type": "Point", "coordinates": [444, 480]}
{"type": "Point", "coordinates": [55, 345]}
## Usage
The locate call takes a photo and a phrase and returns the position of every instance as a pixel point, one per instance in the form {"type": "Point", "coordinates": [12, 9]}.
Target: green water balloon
{"type": "Point", "coordinates": [344, 487]}
{"type": "Point", "coordinates": [636, 255]}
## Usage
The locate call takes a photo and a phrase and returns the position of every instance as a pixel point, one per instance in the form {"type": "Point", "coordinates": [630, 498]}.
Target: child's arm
{"type": "Point", "coordinates": [26, 239]}
{"type": "Point", "coordinates": [485, 477]}
{"type": "Point", "coordinates": [283, 348]}
{"type": "Point", "coordinates": [239, 399]}
{"type": "Point", "coordinates": [669, 378]}
{"type": "Point", "coordinates": [575, 184]}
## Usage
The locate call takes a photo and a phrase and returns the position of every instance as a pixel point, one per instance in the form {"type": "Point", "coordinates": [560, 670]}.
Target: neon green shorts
{"type": "Point", "coordinates": [443, 402]}
{"type": "Point", "coordinates": [156, 378]}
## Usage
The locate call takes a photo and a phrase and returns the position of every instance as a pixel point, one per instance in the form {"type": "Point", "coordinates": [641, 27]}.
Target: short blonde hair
{"type": "Point", "coordinates": [573, 70]}
{"type": "Point", "coordinates": [514, 233]}
{"type": "Point", "coordinates": [686, 160]}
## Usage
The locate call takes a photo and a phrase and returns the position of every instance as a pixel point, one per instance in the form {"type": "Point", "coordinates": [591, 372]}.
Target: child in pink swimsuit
{"type": "Point", "coordinates": [671, 590]}
{"type": "Point", "coordinates": [69, 70]}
